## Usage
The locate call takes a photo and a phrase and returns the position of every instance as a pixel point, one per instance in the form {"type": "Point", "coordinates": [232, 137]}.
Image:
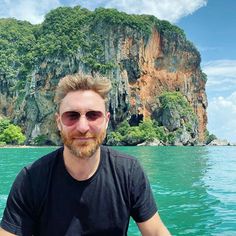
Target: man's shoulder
{"type": "Point", "coordinates": [45, 162]}
{"type": "Point", "coordinates": [117, 153]}
{"type": "Point", "coordinates": [118, 157]}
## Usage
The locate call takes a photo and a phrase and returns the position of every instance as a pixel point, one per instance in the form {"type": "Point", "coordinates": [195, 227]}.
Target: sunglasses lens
{"type": "Point", "coordinates": [94, 115]}
{"type": "Point", "coordinates": [70, 118]}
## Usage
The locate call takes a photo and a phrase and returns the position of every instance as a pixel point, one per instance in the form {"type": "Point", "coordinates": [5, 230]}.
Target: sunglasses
{"type": "Point", "coordinates": [70, 118]}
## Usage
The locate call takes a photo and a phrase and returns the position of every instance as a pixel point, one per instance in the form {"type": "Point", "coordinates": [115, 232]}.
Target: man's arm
{"type": "Point", "coordinates": [18, 216]}
{"type": "Point", "coordinates": [5, 233]}
{"type": "Point", "coordinates": [153, 227]}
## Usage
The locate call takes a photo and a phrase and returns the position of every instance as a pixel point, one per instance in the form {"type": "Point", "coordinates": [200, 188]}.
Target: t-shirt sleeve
{"type": "Point", "coordinates": [18, 214]}
{"type": "Point", "coordinates": [143, 205]}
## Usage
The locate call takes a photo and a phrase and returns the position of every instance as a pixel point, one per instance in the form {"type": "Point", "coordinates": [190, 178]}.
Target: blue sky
{"type": "Point", "coordinates": [209, 24]}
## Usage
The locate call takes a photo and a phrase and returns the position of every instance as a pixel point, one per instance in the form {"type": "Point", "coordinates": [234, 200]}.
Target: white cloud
{"type": "Point", "coordinates": [221, 76]}
{"type": "Point", "coordinates": [171, 10]}
{"type": "Point", "coordinates": [221, 91]}
{"type": "Point", "coordinates": [29, 10]}
{"type": "Point", "coordinates": [33, 11]}
{"type": "Point", "coordinates": [221, 117]}
{"type": "Point", "coordinates": [226, 68]}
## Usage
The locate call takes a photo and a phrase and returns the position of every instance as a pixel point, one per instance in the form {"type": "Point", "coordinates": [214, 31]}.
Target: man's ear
{"type": "Point", "coordinates": [108, 115]}
{"type": "Point", "coordinates": [58, 120]}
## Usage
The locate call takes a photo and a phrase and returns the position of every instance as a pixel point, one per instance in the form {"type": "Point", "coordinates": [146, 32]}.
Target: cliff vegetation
{"type": "Point", "coordinates": [10, 133]}
{"type": "Point", "coordinates": [158, 86]}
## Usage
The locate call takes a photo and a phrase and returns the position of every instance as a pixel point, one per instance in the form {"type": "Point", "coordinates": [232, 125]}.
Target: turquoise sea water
{"type": "Point", "coordinates": [195, 187]}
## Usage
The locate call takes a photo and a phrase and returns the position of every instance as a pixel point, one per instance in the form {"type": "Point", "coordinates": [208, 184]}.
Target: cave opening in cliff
{"type": "Point", "coordinates": [135, 119]}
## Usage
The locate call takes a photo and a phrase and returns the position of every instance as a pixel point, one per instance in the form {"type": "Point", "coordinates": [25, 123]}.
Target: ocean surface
{"type": "Point", "coordinates": [194, 187]}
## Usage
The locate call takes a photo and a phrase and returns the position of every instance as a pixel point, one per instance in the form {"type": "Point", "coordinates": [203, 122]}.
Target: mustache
{"type": "Point", "coordinates": [80, 135]}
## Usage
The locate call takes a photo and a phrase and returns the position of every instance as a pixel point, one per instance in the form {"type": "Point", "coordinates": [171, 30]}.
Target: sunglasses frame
{"type": "Point", "coordinates": [70, 118]}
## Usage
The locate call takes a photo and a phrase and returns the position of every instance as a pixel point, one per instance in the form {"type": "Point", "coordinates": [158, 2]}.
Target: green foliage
{"type": "Point", "coordinates": [170, 138]}
{"type": "Point", "coordinates": [163, 135]}
{"type": "Point", "coordinates": [2, 144]}
{"type": "Point", "coordinates": [66, 32]}
{"type": "Point", "coordinates": [147, 130]}
{"type": "Point", "coordinates": [166, 28]}
{"type": "Point", "coordinates": [204, 76]}
{"type": "Point", "coordinates": [114, 17]}
{"type": "Point", "coordinates": [10, 134]}
{"type": "Point", "coordinates": [4, 123]}
{"type": "Point", "coordinates": [123, 127]}
{"type": "Point", "coordinates": [40, 140]}
{"type": "Point", "coordinates": [177, 101]}
{"type": "Point", "coordinates": [209, 137]}
{"type": "Point", "coordinates": [143, 23]}
{"type": "Point", "coordinates": [134, 136]}
{"type": "Point", "coordinates": [173, 99]}
{"type": "Point", "coordinates": [62, 33]}
{"type": "Point", "coordinates": [77, 33]}
{"type": "Point", "coordinates": [114, 139]}
{"type": "Point", "coordinates": [16, 42]}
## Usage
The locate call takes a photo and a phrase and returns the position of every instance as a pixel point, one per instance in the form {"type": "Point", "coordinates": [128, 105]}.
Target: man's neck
{"type": "Point", "coordinates": [81, 168]}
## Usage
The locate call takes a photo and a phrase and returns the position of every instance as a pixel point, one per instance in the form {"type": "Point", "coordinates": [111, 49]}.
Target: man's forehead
{"type": "Point", "coordinates": [83, 93]}
{"type": "Point", "coordinates": [86, 99]}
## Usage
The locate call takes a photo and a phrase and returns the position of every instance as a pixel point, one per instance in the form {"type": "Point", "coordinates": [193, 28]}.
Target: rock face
{"type": "Point", "coordinates": [144, 65]}
{"type": "Point", "coordinates": [219, 142]}
{"type": "Point", "coordinates": [151, 143]}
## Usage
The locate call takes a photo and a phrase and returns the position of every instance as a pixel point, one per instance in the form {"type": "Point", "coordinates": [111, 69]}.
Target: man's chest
{"type": "Point", "coordinates": [98, 208]}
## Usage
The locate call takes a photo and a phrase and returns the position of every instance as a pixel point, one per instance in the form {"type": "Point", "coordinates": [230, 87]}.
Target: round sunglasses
{"type": "Point", "coordinates": [70, 118]}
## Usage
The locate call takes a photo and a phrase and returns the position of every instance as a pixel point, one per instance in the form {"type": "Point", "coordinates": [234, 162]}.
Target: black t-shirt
{"type": "Point", "coordinates": [46, 200]}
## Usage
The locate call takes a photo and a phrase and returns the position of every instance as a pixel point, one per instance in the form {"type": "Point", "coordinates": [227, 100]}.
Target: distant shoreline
{"type": "Point", "coordinates": [203, 145]}
{"type": "Point", "coordinates": [27, 146]}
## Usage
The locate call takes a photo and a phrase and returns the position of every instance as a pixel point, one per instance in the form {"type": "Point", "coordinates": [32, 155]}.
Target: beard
{"type": "Point", "coordinates": [83, 149]}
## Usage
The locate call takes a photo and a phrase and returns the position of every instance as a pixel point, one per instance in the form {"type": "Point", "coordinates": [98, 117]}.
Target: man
{"type": "Point", "coordinates": [82, 188]}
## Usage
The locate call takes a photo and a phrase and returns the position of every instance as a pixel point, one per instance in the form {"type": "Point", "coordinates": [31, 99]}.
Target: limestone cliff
{"type": "Point", "coordinates": [142, 56]}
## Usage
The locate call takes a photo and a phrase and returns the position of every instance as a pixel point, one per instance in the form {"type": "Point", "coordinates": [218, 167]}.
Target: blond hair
{"type": "Point", "coordinates": [75, 82]}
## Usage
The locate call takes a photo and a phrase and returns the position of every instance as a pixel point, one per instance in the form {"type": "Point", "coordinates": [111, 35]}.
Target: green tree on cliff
{"type": "Point", "coordinates": [147, 130]}
{"type": "Point", "coordinates": [10, 134]}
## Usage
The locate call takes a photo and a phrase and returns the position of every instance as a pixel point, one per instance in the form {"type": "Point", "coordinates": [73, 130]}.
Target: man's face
{"type": "Point", "coordinates": [82, 121]}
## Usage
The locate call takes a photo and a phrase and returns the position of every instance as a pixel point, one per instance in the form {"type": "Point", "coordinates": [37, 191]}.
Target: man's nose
{"type": "Point", "coordinates": [82, 125]}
